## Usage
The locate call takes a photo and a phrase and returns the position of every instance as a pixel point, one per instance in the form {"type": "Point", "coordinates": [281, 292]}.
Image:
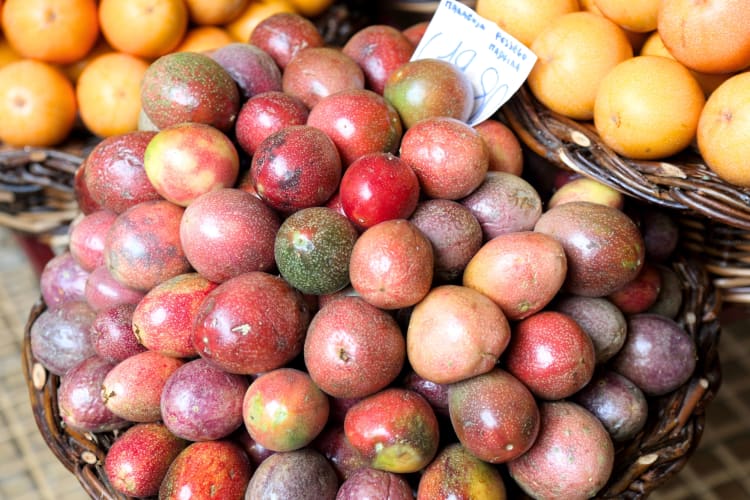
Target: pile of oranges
{"type": "Point", "coordinates": [67, 62]}
{"type": "Point", "coordinates": [654, 77]}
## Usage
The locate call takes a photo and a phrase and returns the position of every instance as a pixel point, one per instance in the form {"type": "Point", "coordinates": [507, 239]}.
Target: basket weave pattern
{"type": "Point", "coordinates": [682, 183]}
{"type": "Point", "coordinates": [641, 465]}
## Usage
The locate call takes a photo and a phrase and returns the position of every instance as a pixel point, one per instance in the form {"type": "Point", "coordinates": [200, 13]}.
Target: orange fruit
{"type": "Point", "coordinates": [647, 107]}
{"type": "Point", "coordinates": [256, 11]}
{"type": "Point", "coordinates": [634, 15]}
{"type": "Point", "coordinates": [37, 103]}
{"type": "Point", "coordinates": [214, 12]}
{"type": "Point", "coordinates": [654, 46]}
{"type": "Point", "coordinates": [109, 93]}
{"type": "Point", "coordinates": [524, 20]}
{"type": "Point", "coordinates": [7, 53]}
{"type": "Point", "coordinates": [74, 69]}
{"type": "Point", "coordinates": [310, 8]}
{"type": "Point", "coordinates": [58, 31]}
{"type": "Point", "coordinates": [711, 36]}
{"type": "Point", "coordinates": [722, 130]}
{"type": "Point", "coordinates": [203, 39]}
{"type": "Point", "coordinates": [574, 53]}
{"type": "Point", "coordinates": [636, 38]}
{"type": "Point", "coordinates": [143, 28]}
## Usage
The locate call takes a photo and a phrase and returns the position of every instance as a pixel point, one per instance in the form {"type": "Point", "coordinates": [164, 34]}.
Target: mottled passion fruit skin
{"type": "Point", "coordinates": [604, 247]}
{"type": "Point", "coordinates": [189, 87]}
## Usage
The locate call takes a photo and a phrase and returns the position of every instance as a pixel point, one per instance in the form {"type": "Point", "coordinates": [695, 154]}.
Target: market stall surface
{"type": "Point", "coordinates": [719, 469]}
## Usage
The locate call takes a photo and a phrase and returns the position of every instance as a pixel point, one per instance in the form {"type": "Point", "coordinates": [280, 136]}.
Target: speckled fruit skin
{"type": "Point", "coordinates": [602, 321]}
{"type": "Point", "coordinates": [521, 272]}
{"type": "Point", "coordinates": [85, 201]}
{"type": "Point", "coordinates": [603, 246]}
{"type": "Point", "coordinates": [143, 248]}
{"type": "Point", "coordinates": [60, 336]}
{"type": "Point", "coordinates": [228, 232]}
{"type": "Point", "coordinates": [86, 238]}
{"type": "Point", "coordinates": [302, 474]}
{"type": "Point", "coordinates": [132, 388]}
{"type": "Point", "coordinates": [112, 333]}
{"type": "Point", "coordinates": [359, 121]}
{"type": "Point", "coordinates": [345, 458]}
{"type": "Point", "coordinates": [450, 157]}
{"type": "Point", "coordinates": [113, 172]}
{"type": "Point", "coordinates": [435, 394]}
{"type": "Point", "coordinates": [617, 402]}
{"type": "Point", "coordinates": [312, 250]}
{"type": "Point", "coordinates": [506, 154]}
{"type": "Point", "coordinates": [658, 354]}
{"type": "Point", "coordinates": [455, 333]}
{"type": "Point", "coordinates": [551, 354]}
{"type": "Point", "coordinates": [296, 167]}
{"type": "Point", "coordinates": [572, 457]}
{"type": "Point", "coordinates": [103, 291]}
{"type": "Point", "coordinates": [456, 473]}
{"type": "Point", "coordinates": [504, 203]}
{"type": "Point", "coordinates": [188, 159]}
{"type": "Point", "coordinates": [454, 232]}
{"type": "Point", "coordinates": [353, 349]}
{"type": "Point", "coordinates": [373, 483]}
{"type": "Point", "coordinates": [63, 280]}
{"type": "Point", "coordinates": [266, 113]}
{"type": "Point", "coordinates": [252, 68]}
{"type": "Point", "coordinates": [494, 415]}
{"type": "Point", "coordinates": [163, 320]}
{"type": "Point", "coordinates": [284, 410]}
{"type": "Point", "coordinates": [396, 429]}
{"type": "Point", "coordinates": [201, 402]}
{"type": "Point", "coordinates": [251, 323]}
{"type": "Point", "coordinates": [283, 35]}
{"type": "Point", "coordinates": [79, 400]}
{"type": "Point", "coordinates": [392, 265]}
{"type": "Point", "coordinates": [219, 469]}
{"type": "Point", "coordinates": [138, 460]}
{"type": "Point", "coordinates": [425, 88]}
{"type": "Point", "coordinates": [316, 72]}
{"type": "Point", "coordinates": [189, 87]}
{"type": "Point", "coordinates": [379, 50]}
{"type": "Point", "coordinates": [640, 293]}
{"type": "Point", "coordinates": [377, 187]}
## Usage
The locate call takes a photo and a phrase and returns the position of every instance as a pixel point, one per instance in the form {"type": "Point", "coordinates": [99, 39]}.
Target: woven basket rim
{"type": "Point", "coordinates": [641, 465]}
{"type": "Point", "coordinates": [683, 183]}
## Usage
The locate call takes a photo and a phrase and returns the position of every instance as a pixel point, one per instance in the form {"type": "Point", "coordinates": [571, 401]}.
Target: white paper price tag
{"type": "Point", "coordinates": [496, 63]}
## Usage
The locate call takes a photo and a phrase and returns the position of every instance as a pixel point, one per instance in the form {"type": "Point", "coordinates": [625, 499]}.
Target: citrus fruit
{"type": "Point", "coordinates": [575, 51]}
{"type": "Point", "coordinates": [242, 27]}
{"type": "Point", "coordinates": [143, 28]}
{"type": "Point", "coordinates": [204, 38]}
{"type": "Point", "coordinates": [647, 107]}
{"type": "Point", "coordinates": [634, 15]}
{"type": "Point", "coordinates": [524, 20]}
{"type": "Point", "coordinates": [711, 36]}
{"type": "Point", "coordinates": [215, 12]}
{"type": "Point", "coordinates": [109, 93]}
{"type": "Point", "coordinates": [73, 70]}
{"type": "Point", "coordinates": [310, 8]}
{"type": "Point", "coordinates": [7, 53]}
{"type": "Point", "coordinates": [37, 103]}
{"type": "Point", "coordinates": [654, 46]}
{"type": "Point", "coordinates": [722, 130]}
{"type": "Point", "coordinates": [58, 31]}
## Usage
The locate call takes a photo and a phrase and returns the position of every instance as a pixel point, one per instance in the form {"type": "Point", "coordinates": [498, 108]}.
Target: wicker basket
{"type": "Point", "coordinates": [36, 189]}
{"type": "Point", "coordinates": [715, 214]}
{"type": "Point", "coordinates": [642, 465]}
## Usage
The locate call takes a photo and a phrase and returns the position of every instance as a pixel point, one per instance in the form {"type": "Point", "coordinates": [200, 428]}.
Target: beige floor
{"type": "Point", "coordinates": [720, 468]}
